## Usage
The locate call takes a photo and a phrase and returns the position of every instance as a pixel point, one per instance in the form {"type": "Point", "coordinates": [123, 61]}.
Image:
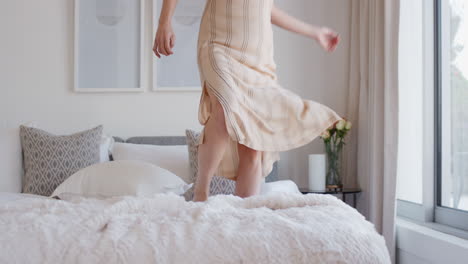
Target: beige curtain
{"type": "Point", "coordinates": [370, 158]}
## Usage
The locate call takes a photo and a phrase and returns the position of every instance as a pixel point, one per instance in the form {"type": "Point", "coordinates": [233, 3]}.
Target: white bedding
{"type": "Point", "coordinates": [274, 228]}
{"type": "Point", "coordinates": [11, 197]}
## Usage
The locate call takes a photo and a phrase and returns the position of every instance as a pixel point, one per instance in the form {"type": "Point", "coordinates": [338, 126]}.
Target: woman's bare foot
{"type": "Point", "coordinates": [200, 197]}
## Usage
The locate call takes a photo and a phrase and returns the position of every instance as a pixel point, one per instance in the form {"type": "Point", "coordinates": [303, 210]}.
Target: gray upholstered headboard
{"type": "Point", "coordinates": [179, 140]}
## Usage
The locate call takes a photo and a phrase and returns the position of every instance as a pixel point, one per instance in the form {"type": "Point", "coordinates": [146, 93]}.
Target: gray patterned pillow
{"type": "Point", "coordinates": [218, 184]}
{"type": "Point", "coordinates": [48, 160]}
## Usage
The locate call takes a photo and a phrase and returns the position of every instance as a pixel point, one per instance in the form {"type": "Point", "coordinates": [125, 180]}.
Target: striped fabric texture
{"type": "Point", "coordinates": [235, 59]}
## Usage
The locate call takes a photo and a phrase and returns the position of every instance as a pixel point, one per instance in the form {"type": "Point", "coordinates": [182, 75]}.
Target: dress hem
{"type": "Point", "coordinates": [231, 130]}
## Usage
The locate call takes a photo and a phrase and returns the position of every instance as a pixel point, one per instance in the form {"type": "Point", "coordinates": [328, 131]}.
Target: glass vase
{"type": "Point", "coordinates": [333, 178]}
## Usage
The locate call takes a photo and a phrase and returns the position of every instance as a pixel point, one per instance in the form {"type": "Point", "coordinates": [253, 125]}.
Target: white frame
{"type": "Point", "coordinates": [154, 81]}
{"type": "Point", "coordinates": [445, 215]}
{"type": "Point", "coordinates": [142, 87]}
{"type": "Point", "coordinates": [446, 95]}
{"type": "Point", "coordinates": [429, 213]}
{"type": "Point", "coordinates": [424, 212]}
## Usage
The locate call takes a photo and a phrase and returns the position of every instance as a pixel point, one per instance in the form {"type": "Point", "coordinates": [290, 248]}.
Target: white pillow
{"type": "Point", "coordinates": [121, 178]}
{"type": "Point", "coordinates": [105, 147]}
{"type": "Point", "coordinates": [286, 186]}
{"type": "Point", "coordinates": [172, 158]}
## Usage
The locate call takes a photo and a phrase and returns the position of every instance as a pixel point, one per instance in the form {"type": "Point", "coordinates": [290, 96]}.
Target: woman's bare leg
{"type": "Point", "coordinates": [211, 152]}
{"type": "Point", "coordinates": [249, 175]}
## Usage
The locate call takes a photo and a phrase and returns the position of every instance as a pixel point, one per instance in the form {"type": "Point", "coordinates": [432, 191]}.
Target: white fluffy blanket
{"type": "Point", "coordinates": [276, 228]}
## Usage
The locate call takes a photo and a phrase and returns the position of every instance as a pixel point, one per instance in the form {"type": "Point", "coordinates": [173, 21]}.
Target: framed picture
{"type": "Point", "coordinates": [109, 46]}
{"type": "Point", "coordinates": [179, 72]}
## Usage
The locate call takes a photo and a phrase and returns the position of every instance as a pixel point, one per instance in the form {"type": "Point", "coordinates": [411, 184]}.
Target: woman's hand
{"type": "Point", "coordinates": [164, 40]}
{"type": "Point", "coordinates": [328, 39]}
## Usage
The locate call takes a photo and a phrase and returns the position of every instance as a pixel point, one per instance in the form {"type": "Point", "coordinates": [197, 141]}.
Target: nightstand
{"type": "Point", "coordinates": [344, 193]}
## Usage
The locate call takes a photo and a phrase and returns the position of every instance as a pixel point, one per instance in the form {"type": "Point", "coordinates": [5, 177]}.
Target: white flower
{"type": "Point", "coordinates": [341, 124]}
{"type": "Point", "coordinates": [325, 135]}
{"type": "Point", "coordinates": [348, 125]}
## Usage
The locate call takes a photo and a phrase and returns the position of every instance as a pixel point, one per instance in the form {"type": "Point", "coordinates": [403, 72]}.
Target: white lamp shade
{"type": "Point", "coordinates": [317, 172]}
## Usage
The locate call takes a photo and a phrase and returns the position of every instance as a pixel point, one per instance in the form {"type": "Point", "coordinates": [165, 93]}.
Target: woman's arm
{"type": "Point", "coordinates": [165, 37]}
{"type": "Point", "coordinates": [326, 37]}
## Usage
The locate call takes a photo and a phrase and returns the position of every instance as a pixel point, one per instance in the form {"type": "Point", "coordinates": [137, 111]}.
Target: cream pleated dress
{"type": "Point", "coordinates": [235, 60]}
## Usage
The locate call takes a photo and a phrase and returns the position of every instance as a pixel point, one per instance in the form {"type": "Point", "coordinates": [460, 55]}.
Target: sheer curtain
{"type": "Point", "coordinates": [371, 156]}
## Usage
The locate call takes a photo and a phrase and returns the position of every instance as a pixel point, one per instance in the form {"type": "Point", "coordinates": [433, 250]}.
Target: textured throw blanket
{"type": "Point", "coordinates": [275, 228]}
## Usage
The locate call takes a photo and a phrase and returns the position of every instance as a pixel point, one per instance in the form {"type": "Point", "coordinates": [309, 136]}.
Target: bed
{"type": "Point", "coordinates": [165, 228]}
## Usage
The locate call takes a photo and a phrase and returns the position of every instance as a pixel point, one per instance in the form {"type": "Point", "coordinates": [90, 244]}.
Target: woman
{"type": "Point", "coordinates": [248, 118]}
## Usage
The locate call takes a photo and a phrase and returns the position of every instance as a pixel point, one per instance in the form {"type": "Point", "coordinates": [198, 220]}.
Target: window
{"type": "Point", "coordinates": [412, 88]}
{"type": "Point", "coordinates": [452, 112]}
{"type": "Point", "coordinates": [409, 182]}
{"type": "Point", "coordinates": [432, 182]}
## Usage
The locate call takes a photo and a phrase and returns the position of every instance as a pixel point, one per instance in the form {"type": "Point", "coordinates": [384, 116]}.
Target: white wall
{"type": "Point", "coordinates": [304, 68]}
{"type": "Point", "coordinates": [417, 244]}
{"type": "Point", "coordinates": [36, 78]}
